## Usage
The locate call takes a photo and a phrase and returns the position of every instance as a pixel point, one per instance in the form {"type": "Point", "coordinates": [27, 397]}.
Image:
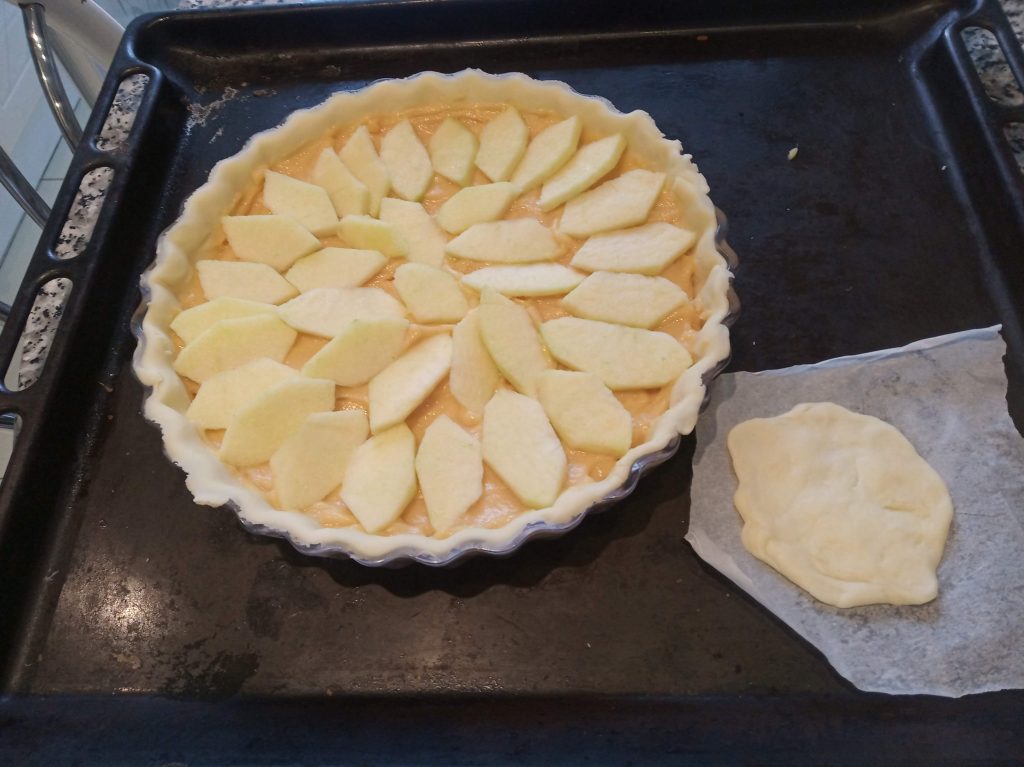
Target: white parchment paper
{"type": "Point", "coordinates": [948, 397]}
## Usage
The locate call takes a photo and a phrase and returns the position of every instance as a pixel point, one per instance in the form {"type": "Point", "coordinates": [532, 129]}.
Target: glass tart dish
{"type": "Point", "coordinates": [435, 316]}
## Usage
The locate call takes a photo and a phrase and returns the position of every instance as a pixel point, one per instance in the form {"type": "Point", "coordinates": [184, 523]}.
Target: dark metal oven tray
{"type": "Point", "coordinates": [139, 628]}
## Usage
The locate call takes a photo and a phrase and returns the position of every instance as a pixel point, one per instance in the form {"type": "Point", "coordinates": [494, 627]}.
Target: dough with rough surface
{"type": "Point", "coordinates": [841, 504]}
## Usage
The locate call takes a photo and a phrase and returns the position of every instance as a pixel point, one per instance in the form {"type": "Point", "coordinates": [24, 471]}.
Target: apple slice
{"type": "Point", "coordinates": [360, 157]}
{"type": "Point", "coordinates": [407, 161]}
{"type": "Point", "coordinates": [335, 268]}
{"type": "Point", "coordinates": [502, 145]}
{"type": "Point", "coordinates": [585, 169]}
{"type": "Point", "coordinates": [224, 394]}
{"type": "Point", "coordinates": [359, 352]}
{"type": "Point", "coordinates": [488, 296]}
{"type": "Point", "coordinates": [452, 151]}
{"type": "Point", "coordinates": [231, 343]}
{"type": "Point", "coordinates": [549, 151]}
{"type": "Point", "coordinates": [624, 201]}
{"type": "Point", "coordinates": [367, 233]}
{"type": "Point", "coordinates": [328, 311]}
{"type": "Point", "coordinates": [647, 249]}
{"type": "Point", "coordinates": [402, 386]}
{"type": "Point", "coordinates": [522, 448]}
{"type": "Point", "coordinates": [381, 478]}
{"type": "Point", "coordinates": [585, 413]}
{"type": "Point", "coordinates": [475, 204]}
{"type": "Point", "coordinates": [349, 195]}
{"type": "Point", "coordinates": [259, 428]}
{"type": "Point", "coordinates": [244, 280]}
{"type": "Point", "coordinates": [474, 377]}
{"type": "Point", "coordinates": [624, 358]}
{"type": "Point", "coordinates": [278, 241]}
{"type": "Point", "coordinates": [512, 341]}
{"type": "Point", "coordinates": [424, 239]}
{"type": "Point", "coordinates": [627, 299]}
{"type": "Point", "coordinates": [519, 241]}
{"type": "Point", "coordinates": [432, 295]}
{"type": "Point", "coordinates": [450, 470]}
{"type": "Point", "coordinates": [529, 280]}
{"type": "Point", "coordinates": [308, 203]}
{"type": "Point", "coordinates": [192, 322]}
{"type": "Point", "coordinates": [313, 460]}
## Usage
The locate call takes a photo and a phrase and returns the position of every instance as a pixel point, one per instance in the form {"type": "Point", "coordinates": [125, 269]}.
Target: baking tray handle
{"type": "Point", "coordinates": [47, 262]}
{"type": "Point", "coordinates": [1003, 185]}
{"type": "Point", "coordinates": [29, 540]}
{"type": "Point", "coordinates": [994, 116]}
{"type": "Point", "coordinates": [84, 268]}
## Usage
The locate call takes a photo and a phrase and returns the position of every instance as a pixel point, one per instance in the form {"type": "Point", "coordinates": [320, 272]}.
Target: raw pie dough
{"type": "Point", "coordinates": [667, 408]}
{"type": "Point", "coordinates": [841, 504]}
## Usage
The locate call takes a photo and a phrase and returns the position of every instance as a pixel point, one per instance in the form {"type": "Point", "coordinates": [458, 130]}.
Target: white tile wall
{"type": "Point", "coordinates": [28, 132]}
{"type": "Point", "coordinates": [17, 68]}
{"type": "Point", "coordinates": [15, 57]}
{"type": "Point", "coordinates": [126, 10]}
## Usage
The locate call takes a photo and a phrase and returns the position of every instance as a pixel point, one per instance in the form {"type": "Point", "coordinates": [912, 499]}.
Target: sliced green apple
{"type": "Point", "coordinates": [450, 470]}
{"type": "Point", "coordinates": [432, 295]}
{"type": "Point", "coordinates": [585, 169]}
{"type": "Point", "coordinates": [549, 151]}
{"type": "Point", "coordinates": [231, 343]}
{"type": "Point", "coordinates": [452, 151]}
{"type": "Point", "coordinates": [424, 239]}
{"type": "Point", "coordinates": [519, 241]}
{"type": "Point", "coordinates": [512, 341]}
{"type": "Point", "coordinates": [622, 357]}
{"type": "Point", "coordinates": [224, 394]}
{"type": "Point", "coordinates": [403, 385]}
{"type": "Point", "coordinates": [192, 322]}
{"type": "Point", "coordinates": [474, 205]}
{"type": "Point", "coordinates": [360, 156]}
{"type": "Point", "coordinates": [522, 448]}
{"type": "Point", "coordinates": [585, 413]}
{"type": "Point", "coordinates": [244, 280]}
{"type": "Point", "coordinates": [367, 233]}
{"type": "Point", "coordinates": [335, 268]}
{"type": "Point", "coordinates": [359, 352]}
{"type": "Point", "coordinates": [328, 311]}
{"type": "Point", "coordinates": [407, 161]}
{"type": "Point", "coordinates": [528, 280]}
{"type": "Point", "coordinates": [623, 201]}
{"type": "Point", "coordinates": [313, 460]}
{"type": "Point", "coordinates": [488, 296]}
{"type": "Point", "coordinates": [626, 299]}
{"type": "Point", "coordinates": [308, 203]}
{"type": "Point", "coordinates": [259, 428]}
{"type": "Point", "coordinates": [647, 249]}
{"type": "Point", "coordinates": [278, 241]}
{"type": "Point", "coordinates": [381, 478]}
{"type": "Point", "coordinates": [474, 377]}
{"type": "Point", "coordinates": [349, 195]}
{"type": "Point", "coordinates": [503, 142]}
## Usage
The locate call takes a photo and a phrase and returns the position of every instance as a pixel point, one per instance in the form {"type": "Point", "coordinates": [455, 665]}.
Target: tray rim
{"type": "Point", "coordinates": [1010, 699]}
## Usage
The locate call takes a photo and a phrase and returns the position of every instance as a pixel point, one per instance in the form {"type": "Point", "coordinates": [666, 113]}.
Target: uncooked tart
{"type": "Point", "coordinates": [434, 316]}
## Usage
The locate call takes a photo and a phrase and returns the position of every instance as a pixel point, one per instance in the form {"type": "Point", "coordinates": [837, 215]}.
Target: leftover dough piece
{"type": "Point", "coordinates": [841, 504]}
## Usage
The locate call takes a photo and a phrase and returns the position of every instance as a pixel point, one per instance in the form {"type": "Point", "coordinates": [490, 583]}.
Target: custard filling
{"type": "Point", "coordinates": [498, 504]}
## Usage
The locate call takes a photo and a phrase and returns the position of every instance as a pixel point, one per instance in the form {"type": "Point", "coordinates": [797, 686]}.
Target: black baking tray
{"type": "Point", "coordinates": [139, 628]}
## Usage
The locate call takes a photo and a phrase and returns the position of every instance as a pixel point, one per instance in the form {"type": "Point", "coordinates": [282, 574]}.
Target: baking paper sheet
{"type": "Point", "coordinates": [948, 397]}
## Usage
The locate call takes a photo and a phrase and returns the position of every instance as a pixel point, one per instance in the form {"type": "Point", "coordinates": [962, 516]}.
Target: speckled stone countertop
{"type": "Point", "coordinates": [46, 311]}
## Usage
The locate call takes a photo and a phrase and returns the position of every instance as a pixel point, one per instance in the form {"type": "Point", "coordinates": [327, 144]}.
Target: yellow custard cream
{"type": "Point", "coordinates": [552, 239]}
